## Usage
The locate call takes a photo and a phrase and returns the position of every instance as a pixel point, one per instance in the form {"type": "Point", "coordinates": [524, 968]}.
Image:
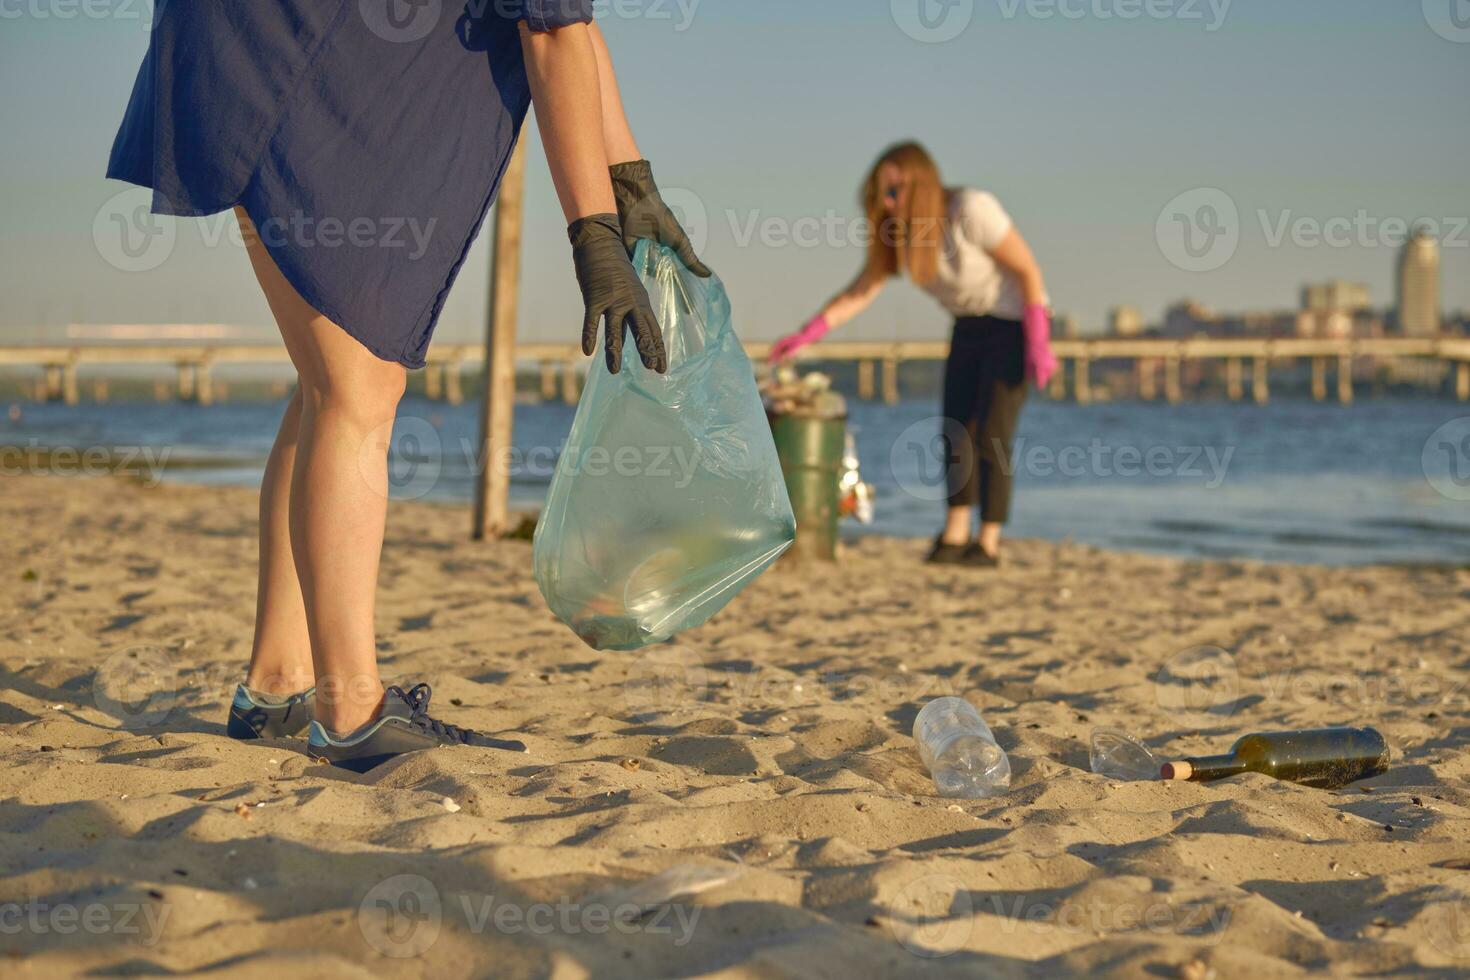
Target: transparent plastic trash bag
{"type": "Point", "coordinates": [668, 497]}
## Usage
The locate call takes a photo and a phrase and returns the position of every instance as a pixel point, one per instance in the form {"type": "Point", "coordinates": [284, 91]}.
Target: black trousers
{"type": "Point", "coordinates": [984, 388]}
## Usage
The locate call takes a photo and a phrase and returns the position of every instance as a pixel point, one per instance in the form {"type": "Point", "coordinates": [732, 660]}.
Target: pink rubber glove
{"type": "Point", "coordinates": [1041, 363]}
{"type": "Point", "coordinates": [814, 331]}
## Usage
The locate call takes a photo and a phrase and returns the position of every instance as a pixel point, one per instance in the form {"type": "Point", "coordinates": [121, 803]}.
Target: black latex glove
{"type": "Point", "coordinates": [645, 215]}
{"type": "Point", "coordinates": [611, 289]}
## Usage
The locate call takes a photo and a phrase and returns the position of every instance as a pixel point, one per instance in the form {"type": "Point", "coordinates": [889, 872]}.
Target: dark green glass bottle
{"type": "Point", "coordinates": [1323, 757]}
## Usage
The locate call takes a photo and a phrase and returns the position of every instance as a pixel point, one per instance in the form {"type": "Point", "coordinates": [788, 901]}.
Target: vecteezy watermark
{"type": "Point", "coordinates": [935, 915]}
{"type": "Point", "coordinates": [402, 916]}
{"type": "Point", "coordinates": [1198, 683]}
{"type": "Point", "coordinates": [664, 679]}
{"type": "Point", "coordinates": [138, 923]}
{"type": "Point", "coordinates": [138, 10]}
{"type": "Point", "coordinates": [1450, 19]}
{"type": "Point", "coordinates": [1446, 459]}
{"type": "Point", "coordinates": [1201, 230]}
{"type": "Point", "coordinates": [138, 686]}
{"type": "Point", "coordinates": [129, 236]}
{"type": "Point", "coordinates": [932, 21]}
{"type": "Point", "coordinates": [144, 463]}
{"type": "Point", "coordinates": [408, 21]}
{"type": "Point", "coordinates": [1448, 917]}
{"type": "Point", "coordinates": [935, 455]}
{"type": "Point", "coordinates": [1206, 684]}
{"type": "Point", "coordinates": [1210, 13]}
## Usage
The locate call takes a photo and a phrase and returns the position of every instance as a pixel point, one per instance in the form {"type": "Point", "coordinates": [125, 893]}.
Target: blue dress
{"type": "Point", "coordinates": [365, 139]}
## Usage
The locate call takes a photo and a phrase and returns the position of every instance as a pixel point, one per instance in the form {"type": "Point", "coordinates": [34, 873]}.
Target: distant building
{"type": "Point", "coordinates": [1418, 286]}
{"type": "Point", "coordinates": [1334, 295]}
{"type": "Point", "coordinates": [1335, 308]}
{"type": "Point", "coordinates": [1125, 321]}
{"type": "Point", "coordinates": [1064, 326]}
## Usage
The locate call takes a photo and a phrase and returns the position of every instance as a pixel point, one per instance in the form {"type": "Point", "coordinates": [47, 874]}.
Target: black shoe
{"type": "Point", "coordinates": [947, 554]}
{"type": "Point", "coordinates": [252, 716]}
{"type": "Point", "coordinates": [402, 726]}
{"type": "Point", "coordinates": [978, 557]}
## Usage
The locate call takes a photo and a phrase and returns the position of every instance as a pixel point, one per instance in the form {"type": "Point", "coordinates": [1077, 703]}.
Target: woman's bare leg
{"type": "Point", "coordinates": [990, 537]}
{"type": "Point", "coordinates": [280, 658]}
{"type": "Point", "coordinates": [958, 522]}
{"type": "Point", "coordinates": [338, 493]}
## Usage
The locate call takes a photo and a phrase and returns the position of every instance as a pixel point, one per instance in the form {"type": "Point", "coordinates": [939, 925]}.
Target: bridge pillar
{"type": "Point", "coordinates": [1173, 391]}
{"type": "Point", "coordinates": [1148, 382]}
{"type": "Point", "coordinates": [433, 382]}
{"type": "Point", "coordinates": [1319, 379]}
{"type": "Point", "coordinates": [1462, 381]}
{"type": "Point", "coordinates": [890, 380]}
{"type": "Point", "coordinates": [204, 385]}
{"type": "Point", "coordinates": [548, 380]}
{"type": "Point", "coordinates": [99, 391]}
{"type": "Point", "coordinates": [570, 388]}
{"type": "Point", "coordinates": [1081, 382]}
{"type": "Point", "coordinates": [186, 381]}
{"type": "Point", "coordinates": [1345, 379]}
{"type": "Point", "coordinates": [1234, 385]}
{"type": "Point", "coordinates": [1057, 387]}
{"type": "Point", "coordinates": [1260, 384]}
{"type": "Point", "coordinates": [453, 378]}
{"type": "Point", "coordinates": [69, 384]}
{"type": "Point", "coordinates": [865, 380]}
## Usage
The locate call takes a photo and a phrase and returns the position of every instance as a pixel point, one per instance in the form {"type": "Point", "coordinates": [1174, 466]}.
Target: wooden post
{"type": "Point", "coordinates": [433, 382]}
{"type": "Point", "coordinates": [492, 488]}
{"type": "Point", "coordinates": [1345, 379]}
{"type": "Point", "coordinates": [1462, 381]}
{"type": "Point", "coordinates": [890, 380]}
{"type": "Point", "coordinates": [1173, 391]}
{"type": "Point", "coordinates": [548, 380]}
{"type": "Point", "coordinates": [1319, 379]}
{"type": "Point", "coordinates": [1234, 384]}
{"type": "Point", "coordinates": [52, 384]}
{"type": "Point", "coordinates": [1057, 389]}
{"type": "Point", "coordinates": [865, 380]}
{"type": "Point", "coordinates": [1081, 380]}
{"type": "Point", "coordinates": [1260, 386]}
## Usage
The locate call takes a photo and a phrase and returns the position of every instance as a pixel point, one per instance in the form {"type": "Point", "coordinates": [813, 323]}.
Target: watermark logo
{"type": "Point", "coordinates": [401, 21]}
{"type": "Point", "coordinates": [933, 915]}
{"type": "Point", "coordinates": [1446, 459]}
{"type": "Point", "coordinates": [403, 457]}
{"type": "Point", "coordinates": [930, 456]}
{"type": "Point", "coordinates": [1450, 19]}
{"type": "Point", "coordinates": [664, 678]}
{"type": "Point", "coordinates": [932, 21]}
{"type": "Point", "coordinates": [1197, 683]}
{"type": "Point", "coordinates": [401, 916]}
{"type": "Point", "coordinates": [1211, 13]}
{"type": "Point", "coordinates": [138, 686]}
{"type": "Point", "coordinates": [139, 923]}
{"type": "Point", "coordinates": [1199, 230]}
{"type": "Point", "coordinates": [689, 210]}
{"type": "Point", "coordinates": [129, 236]}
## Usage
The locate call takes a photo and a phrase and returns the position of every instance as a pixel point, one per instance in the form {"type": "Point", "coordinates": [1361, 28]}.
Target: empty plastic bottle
{"type": "Point", "coordinates": [1118, 755]}
{"type": "Point", "coordinates": [960, 751]}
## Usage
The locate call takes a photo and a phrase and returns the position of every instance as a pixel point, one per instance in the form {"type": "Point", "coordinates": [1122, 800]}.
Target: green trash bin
{"type": "Point", "coordinates": [810, 448]}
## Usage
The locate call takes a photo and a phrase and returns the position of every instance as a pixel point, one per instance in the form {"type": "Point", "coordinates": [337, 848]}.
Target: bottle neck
{"type": "Point", "coordinates": [1215, 767]}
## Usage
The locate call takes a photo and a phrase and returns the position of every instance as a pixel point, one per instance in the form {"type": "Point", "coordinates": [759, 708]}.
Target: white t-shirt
{"type": "Point", "coordinates": [970, 283]}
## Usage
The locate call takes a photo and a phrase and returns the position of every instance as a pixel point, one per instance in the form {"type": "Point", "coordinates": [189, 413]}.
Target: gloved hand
{"type": "Point", "coordinates": [611, 289]}
{"type": "Point", "coordinates": [1041, 363]}
{"type": "Point", "coordinates": [815, 329]}
{"type": "Point", "coordinates": [645, 215]}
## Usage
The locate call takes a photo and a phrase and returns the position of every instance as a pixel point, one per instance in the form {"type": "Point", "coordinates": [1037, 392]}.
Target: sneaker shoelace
{"type": "Point", "coordinates": [418, 700]}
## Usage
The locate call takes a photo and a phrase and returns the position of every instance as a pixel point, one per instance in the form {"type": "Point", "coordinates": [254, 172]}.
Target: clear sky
{"type": "Point", "coordinates": [1086, 117]}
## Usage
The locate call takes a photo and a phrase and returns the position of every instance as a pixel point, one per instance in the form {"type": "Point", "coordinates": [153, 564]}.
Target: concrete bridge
{"type": "Point", "coordinates": [1158, 363]}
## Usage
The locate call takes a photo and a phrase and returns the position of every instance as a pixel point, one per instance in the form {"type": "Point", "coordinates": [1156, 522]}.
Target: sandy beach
{"type": "Point", "coordinates": [763, 762]}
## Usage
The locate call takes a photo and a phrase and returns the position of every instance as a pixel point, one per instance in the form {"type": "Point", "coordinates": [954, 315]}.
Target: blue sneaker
{"type": "Point", "coordinates": [254, 714]}
{"type": "Point", "coordinates": [402, 726]}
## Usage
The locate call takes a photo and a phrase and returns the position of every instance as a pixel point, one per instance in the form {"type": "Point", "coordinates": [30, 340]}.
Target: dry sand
{"type": "Point", "coordinates": [770, 745]}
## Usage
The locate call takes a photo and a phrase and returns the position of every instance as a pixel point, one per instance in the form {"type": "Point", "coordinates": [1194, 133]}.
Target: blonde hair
{"type": "Point", "coordinates": [909, 239]}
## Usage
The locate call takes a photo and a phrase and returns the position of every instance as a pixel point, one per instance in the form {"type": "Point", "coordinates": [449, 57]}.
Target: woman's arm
{"type": "Point", "coordinates": [617, 135]}
{"type": "Point", "coordinates": [566, 90]}
{"type": "Point", "coordinates": [1014, 255]}
{"type": "Point", "coordinates": [852, 301]}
